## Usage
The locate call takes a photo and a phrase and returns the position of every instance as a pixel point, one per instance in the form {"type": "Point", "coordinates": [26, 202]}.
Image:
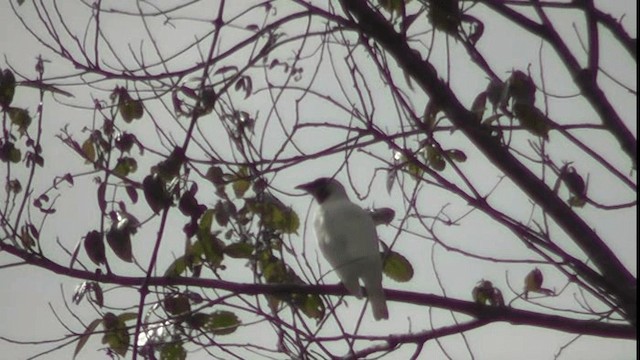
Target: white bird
{"type": "Point", "coordinates": [347, 237]}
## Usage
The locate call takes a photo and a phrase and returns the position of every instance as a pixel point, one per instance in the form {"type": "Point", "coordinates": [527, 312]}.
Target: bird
{"type": "Point", "coordinates": [346, 235]}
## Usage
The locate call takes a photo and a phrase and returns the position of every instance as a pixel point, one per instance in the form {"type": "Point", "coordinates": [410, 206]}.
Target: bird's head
{"type": "Point", "coordinates": [324, 188]}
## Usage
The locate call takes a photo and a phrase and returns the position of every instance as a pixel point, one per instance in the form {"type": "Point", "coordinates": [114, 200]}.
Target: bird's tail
{"type": "Point", "coordinates": [375, 294]}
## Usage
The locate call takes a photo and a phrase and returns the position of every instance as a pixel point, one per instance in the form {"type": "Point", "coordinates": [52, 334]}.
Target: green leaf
{"type": "Point", "coordinates": [20, 118]}
{"type": "Point", "coordinates": [128, 316]}
{"type": "Point", "coordinates": [577, 201]}
{"type": "Point", "coordinates": [239, 250]}
{"type": "Point", "coordinates": [89, 151]}
{"type": "Point", "coordinates": [240, 187]}
{"type": "Point", "coordinates": [206, 220]}
{"type": "Point", "coordinates": [85, 336]}
{"type": "Point", "coordinates": [209, 246]}
{"type": "Point", "coordinates": [392, 6]}
{"type": "Point", "coordinates": [129, 108]}
{"type": "Point", "coordinates": [177, 267]}
{"type": "Point", "coordinates": [532, 119]}
{"type": "Point", "coordinates": [434, 158]}
{"type": "Point", "coordinates": [173, 351]}
{"type": "Point", "coordinates": [445, 16]}
{"type": "Point", "coordinates": [9, 152]}
{"type": "Point", "coordinates": [222, 322]}
{"type": "Point", "coordinates": [125, 166]}
{"type": "Point", "coordinates": [312, 306]}
{"type": "Point", "coordinates": [274, 271]}
{"type": "Point", "coordinates": [116, 335]}
{"type": "Point", "coordinates": [397, 267]}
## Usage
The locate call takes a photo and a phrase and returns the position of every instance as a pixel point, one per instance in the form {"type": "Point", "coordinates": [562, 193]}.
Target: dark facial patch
{"type": "Point", "coordinates": [320, 189]}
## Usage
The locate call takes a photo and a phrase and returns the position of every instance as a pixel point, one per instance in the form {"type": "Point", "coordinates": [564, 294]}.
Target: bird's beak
{"type": "Point", "coordinates": [305, 187]}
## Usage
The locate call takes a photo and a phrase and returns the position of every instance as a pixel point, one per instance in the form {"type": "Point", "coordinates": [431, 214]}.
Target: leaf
{"type": "Point", "coordinates": [20, 118]}
{"type": "Point", "coordinates": [222, 322]}
{"type": "Point", "coordinates": [125, 166]}
{"type": "Point", "coordinates": [177, 267]}
{"type": "Point", "coordinates": [197, 320]}
{"type": "Point", "coordinates": [119, 240]}
{"type": "Point", "coordinates": [155, 193]}
{"type": "Point", "coordinates": [170, 168]}
{"type": "Point", "coordinates": [94, 246]}
{"type": "Point", "coordinates": [434, 158]}
{"type": "Point", "coordinates": [173, 351]}
{"type": "Point", "coordinates": [574, 182]}
{"type": "Point", "coordinates": [496, 91]}
{"type": "Point", "coordinates": [99, 296]}
{"type": "Point", "coordinates": [215, 175]}
{"type": "Point", "coordinates": [239, 250]}
{"type": "Point", "coordinates": [577, 201]}
{"type": "Point", "coordinates": [533, 281]}
{"type": "Point", "coordinates": [124, 142]}
{"type": "Point", "coordinates": [222, 213]}
{"type": "Point", "coordinates": [206, 220]}
{"type": "Point", "coordinates": [382, 216]}
{"type": "Point", "coordinates": [521, 89]}
{"type": "Point", "coordinates": [274, 271]}
{"type": "Point", "coordinates": [89, 151]}
{"type": "Point", "coordinates": [211, 247]}
{"type": "Point", "coordinates": [445, 15]}
{"type": "Point", "coordinates": [116, 335]}
{"type": "Point", "coordinates": [392, 6]}
{"type": "Point", "coordinates": [479, 105]}
{"type": "Point", "coordinates": [102, 203]}
{"type": "Point", "coordinates": [14, 186]}
{"type": "Point", "coordinates": [312, 306]}
{"type": "Point", "coordinates": [397, 267]}
{"type": "Point", "coordinates": [189, 206]}
{"type": "Point", "coordinates": [177, 304]}
{"type": "Point", "coordinates": [226, 69]}
{"type": "Point", "coordinates": [457, 155]}
{"type": "Point", "coordinates": [240, 187]}
{"type": "Point", "coordinates": [132, 192]}
{"type": "Point", "coordinates": [392, 173]}
{"type": "Point", "coordinates": [8, 152]}
{"type": "Point", "coordinates": [532, 119]}
{"type": "Point", "coordinates": [7, 88]}
{"type": "Point", "coordinates": [129, 108]}
{"type": "Point", "coordinates": [484, 293]}
{"type": "Point", "coordinates": [85, 336]}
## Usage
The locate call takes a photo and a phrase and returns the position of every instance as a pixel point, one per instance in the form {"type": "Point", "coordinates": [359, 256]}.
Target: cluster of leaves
{"type": "Point", "coordinates": [514, 98]}
{"type": "Point", "coordinates": [20, 119]}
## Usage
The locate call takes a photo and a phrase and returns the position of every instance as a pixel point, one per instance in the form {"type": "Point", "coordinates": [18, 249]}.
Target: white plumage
{"type": "Point", "coordinates": [347, 237]}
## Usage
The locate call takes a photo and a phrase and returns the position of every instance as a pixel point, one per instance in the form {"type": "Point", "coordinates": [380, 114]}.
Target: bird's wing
{"type": "Point", "coordinates": [347, 238]}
